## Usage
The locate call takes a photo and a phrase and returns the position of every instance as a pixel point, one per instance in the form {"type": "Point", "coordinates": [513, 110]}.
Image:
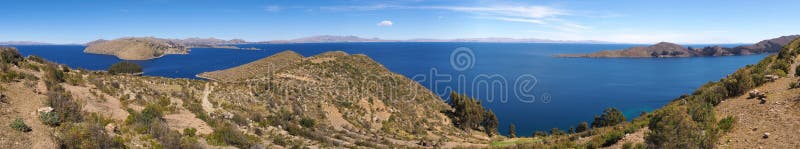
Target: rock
{"type": "Point", "coordinates": [45, 110]}
{"type": "Point", "coordinates": [111, 128]}
{"type": "Point", "coordinates": [3, 98]}
{"type": "Point", "coordinates": [227, 115]}
{"type": "Point", "coordinates": [766, 135]}
{"type": "Point", "coordinates": [771, 77]}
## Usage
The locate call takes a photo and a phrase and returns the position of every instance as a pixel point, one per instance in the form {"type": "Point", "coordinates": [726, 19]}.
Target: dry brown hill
{"type": "Point", "coordinates": [137, 48]}
{"type": "Point", "coordinates": [332, 100]}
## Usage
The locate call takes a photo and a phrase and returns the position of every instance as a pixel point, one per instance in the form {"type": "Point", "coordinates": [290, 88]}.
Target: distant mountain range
{"type": "Point", "coordinates": [666, 50]}
{"type": "Point", "coordinates": [23, 43]}
{"type": "Point", "coordinates": [205, 42]}
{"type": "Point", "coordinates": [334, 39]}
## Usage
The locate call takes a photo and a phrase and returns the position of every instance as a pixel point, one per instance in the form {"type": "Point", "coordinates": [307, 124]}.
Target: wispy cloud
{"type": "Point", "coordinates": [272, 8]}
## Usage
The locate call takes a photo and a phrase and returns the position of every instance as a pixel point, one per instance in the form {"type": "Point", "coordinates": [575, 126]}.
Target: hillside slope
{"type": "Point", "coordinates": [332, 100]}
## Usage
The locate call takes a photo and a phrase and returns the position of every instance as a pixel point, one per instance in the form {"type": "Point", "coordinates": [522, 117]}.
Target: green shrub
{"type": "Point", "coordinates": [307, 122]}
{"type": "Point", "coordinates": [50, 118]}
{"type": "Point", "coordinates": [628, 145]}
{"type": "Point", "coordinates": [89, 134]}
{"type": "Point", "coordinates": [189, 131]}
{"type": "Point", "coordinates": [125, 67]}
{"type": "Point", "coordinates": [726, 124]}
{"type": "Point", "coordinates": [610, 117]}
{"type": "Point", "coordinates": [228, 135]}
{"type": "Point", "coordinates": [19, 125]}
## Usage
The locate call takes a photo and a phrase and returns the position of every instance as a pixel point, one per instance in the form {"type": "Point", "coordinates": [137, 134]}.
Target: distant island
{"type": "Point", "coordinates": [669, 50]}
{"type": "Point", "coordinates": [144, 48]}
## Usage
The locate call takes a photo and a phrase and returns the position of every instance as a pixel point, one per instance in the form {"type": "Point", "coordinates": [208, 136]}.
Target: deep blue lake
{"type": "Point", "coordinates": [565, 91]}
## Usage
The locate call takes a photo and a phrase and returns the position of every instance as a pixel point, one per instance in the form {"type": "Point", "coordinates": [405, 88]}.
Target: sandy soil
{"type": "Point", "coordinates": [779, 116]}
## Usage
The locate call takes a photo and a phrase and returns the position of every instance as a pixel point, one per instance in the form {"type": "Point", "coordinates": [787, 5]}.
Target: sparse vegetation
{"type": "Point", "coordinates": [726, 124]}
{"type": "Point", "coordinates": [19, 125]}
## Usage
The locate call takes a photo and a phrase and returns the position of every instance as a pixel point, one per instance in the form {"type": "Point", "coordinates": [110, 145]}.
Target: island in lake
{"type": "Point", "coordinates": [144, 48]}
{"type": "Point", "coordinates": [668, 50]}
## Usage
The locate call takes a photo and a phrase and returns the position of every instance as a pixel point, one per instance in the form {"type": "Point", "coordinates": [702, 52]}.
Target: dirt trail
{"type": "Point", "coordinates": [779, 116]}
{"type": "Point", "coordinates": [24, 103]}
{"type": "Point", "coordinates": [207, 106]}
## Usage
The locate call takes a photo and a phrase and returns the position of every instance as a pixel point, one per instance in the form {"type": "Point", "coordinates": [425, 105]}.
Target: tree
{"type": "Point", "coordinates": [468, 113]}
{"type": "Point", "coordinates": [556, 131]}
{"type": "Point", "coordinates": [125, 67]}
{"type": "Point", "coordinates": [490, 123]}
{"type": "Point", "coordinates": [512, 132]}
{"type": "Point", "coordinates": [582, 127]}
{"type": "Point", "coordinates": [611, 116]}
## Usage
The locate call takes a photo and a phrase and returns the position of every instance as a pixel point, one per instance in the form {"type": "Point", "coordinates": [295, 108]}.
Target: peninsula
{"type": "Point", "coordinates": [669, 50]}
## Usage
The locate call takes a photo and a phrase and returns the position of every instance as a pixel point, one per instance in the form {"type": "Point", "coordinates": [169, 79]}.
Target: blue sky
{"type": "Point", "coordinates": [79, 21]}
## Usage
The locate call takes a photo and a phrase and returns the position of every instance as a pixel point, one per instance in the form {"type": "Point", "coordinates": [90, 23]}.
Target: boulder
{"type": "Point", "coordinates": [771, 77]}
{"type": "Point", "coordinates": [766, 135]}
{"type": "Point", "coordinates": [43, 110]}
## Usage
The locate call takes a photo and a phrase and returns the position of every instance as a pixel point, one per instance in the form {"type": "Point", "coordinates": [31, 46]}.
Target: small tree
{"type": "Point", "coordinates": [511, 131]}
{"type": "Point", "coordinates": [611, 116]}
{"type": "Point", "coordinates": [125, 67]}
{"type": "Point", "coordinates": [490, 123]}
{"type": "Point", "coordinates": [582, 127]}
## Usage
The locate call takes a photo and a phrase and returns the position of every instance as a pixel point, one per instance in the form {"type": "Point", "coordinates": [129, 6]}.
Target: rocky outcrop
{"type": "Point", "coordinates": [136, 48]}
{"type": "Point", "coordinates": [667, 50]}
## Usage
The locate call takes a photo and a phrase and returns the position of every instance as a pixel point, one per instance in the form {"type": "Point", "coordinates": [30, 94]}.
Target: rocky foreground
{"type": "Point", "coordinates": [668, 50]}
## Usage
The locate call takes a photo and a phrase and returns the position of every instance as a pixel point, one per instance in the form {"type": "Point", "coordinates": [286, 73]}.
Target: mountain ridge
{"type": "Point", "coordinates": [671, 50]}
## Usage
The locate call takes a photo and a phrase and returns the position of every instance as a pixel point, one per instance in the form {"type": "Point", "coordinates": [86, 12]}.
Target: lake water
{"type": "Point", "coordinates": [566, 92]}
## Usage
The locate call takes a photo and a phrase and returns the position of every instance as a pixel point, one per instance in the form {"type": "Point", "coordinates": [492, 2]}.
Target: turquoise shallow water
{"type": "Point", "coordinates": [553, 92]}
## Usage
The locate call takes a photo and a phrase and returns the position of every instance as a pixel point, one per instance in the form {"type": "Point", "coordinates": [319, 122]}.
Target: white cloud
{"type": "Point", "coordinates": [385, 23]}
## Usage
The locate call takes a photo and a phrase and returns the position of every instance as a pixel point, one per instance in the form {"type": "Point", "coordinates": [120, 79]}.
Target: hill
{"type": "Point", "coordinates": [136, 48]}
{"type": "Point", "coordinates": [144, 48]}
{"type": "Point", "coordinates": [331, 100]}
{"type": "Point", "coordinates": [258, 68]}
{"type": "Point", "coordinates": [667, 50]}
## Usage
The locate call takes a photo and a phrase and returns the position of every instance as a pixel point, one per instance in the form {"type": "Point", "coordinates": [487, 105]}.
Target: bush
{"type": "Point", "coordinates": [512, 132]}
{"type": "Point", "coordinates": [50, 118]}
{"type": "Point", "coordinates": [20, 125]}
{"type": "Point", "coordinates": [726, 124]}
{"type": "Point", "coordinates": [582, 127]}
{"type": "Point", "coordinates": [228, 135]}
{"type": "Point", "coordinates": [10, 55]}
{"type": "Point", "coordinates": [90, 134]}
{"type": "Point", "coordinates": [125, 67]}
{"type": "Point", "coordinates": [610, 117]}
{"type": "Point", "coordinates": [67, 109]}
{"type": "Point", "coordinates": [307, 122]}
